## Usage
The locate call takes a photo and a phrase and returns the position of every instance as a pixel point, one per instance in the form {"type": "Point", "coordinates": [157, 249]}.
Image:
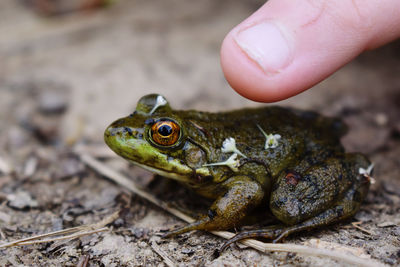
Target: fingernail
{"type": "Point", "coordinates": [265, 44]}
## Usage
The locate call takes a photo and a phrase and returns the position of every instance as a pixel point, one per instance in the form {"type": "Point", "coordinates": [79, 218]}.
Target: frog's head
{"type": "Point", "coordinates": [155, 138]}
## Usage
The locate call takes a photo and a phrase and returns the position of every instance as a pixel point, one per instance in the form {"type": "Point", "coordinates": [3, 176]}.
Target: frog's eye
{"type": "Point", "coordinates": [165, 133]}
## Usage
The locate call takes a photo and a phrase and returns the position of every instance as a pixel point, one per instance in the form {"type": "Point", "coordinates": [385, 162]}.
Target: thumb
{"type": "Point", "coordinates": [286, 46]}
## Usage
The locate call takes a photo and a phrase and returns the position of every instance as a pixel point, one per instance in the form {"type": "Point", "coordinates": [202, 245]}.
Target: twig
{"type": "Point", "coordinates": [357, 226]}
{"type": "Point", "coordinates": [83, 261]}
{"type": "Point", "coordinates": [264, 247]}
{"type": "Point", "coordinates": [69, 237]}
{"type": "Point", "coordinates": [70, 233]}
{"type": "Point", "coordinates": [163, 255]}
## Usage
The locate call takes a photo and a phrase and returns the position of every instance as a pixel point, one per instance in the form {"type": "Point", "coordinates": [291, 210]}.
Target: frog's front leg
{"type": "Point", "coordinates": [240, 195]}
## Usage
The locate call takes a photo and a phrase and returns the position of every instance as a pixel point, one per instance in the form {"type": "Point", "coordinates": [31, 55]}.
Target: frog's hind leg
{"type": "Point", "coordinates": [344, 207]}
{"type": "Point", "coordinates": [277, 234]}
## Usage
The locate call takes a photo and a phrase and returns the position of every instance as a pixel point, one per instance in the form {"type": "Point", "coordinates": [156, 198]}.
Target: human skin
{"type": "Point", "coordinates": [286, 47]}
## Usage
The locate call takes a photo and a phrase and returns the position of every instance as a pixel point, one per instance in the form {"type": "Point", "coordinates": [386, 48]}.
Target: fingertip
{"type": "Point", "coordinates": [248, 79]}
{"type": "Point", "coordinates": [240, 73]}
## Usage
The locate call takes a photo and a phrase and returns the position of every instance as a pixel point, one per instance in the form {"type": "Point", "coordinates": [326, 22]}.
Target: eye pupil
{"type": "Point", "coordinates": [165, 130]}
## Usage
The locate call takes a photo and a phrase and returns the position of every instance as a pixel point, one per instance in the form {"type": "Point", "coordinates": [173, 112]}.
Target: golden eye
{"type": "Point", "coordinates": [165, 133]}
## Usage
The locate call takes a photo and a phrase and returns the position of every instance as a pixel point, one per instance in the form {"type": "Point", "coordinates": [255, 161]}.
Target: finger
{"type": "Point", "coordinates": [286, 47]}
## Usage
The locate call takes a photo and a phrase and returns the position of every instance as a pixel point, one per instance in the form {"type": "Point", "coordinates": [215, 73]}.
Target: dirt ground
{"type": "Point", "coordinates": [64, 78]}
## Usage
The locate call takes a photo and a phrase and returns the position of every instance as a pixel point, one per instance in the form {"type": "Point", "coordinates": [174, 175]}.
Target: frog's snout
{"type": "Point", "coordinates": [119, 135]}
{"type": "Point", "coordinates": [122, 132]}
{"type": "Point", "coordinates": [110, 135]}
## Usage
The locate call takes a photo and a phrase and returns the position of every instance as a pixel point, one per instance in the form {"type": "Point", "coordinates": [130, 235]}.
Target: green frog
{"type": "Point", "coordinates": [285, 162]}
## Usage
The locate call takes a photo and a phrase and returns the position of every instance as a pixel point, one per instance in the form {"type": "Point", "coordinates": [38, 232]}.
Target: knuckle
{"type": "Point", "coordinates": [352, 15]}
{"type": "Point", "coordinates": [349, 15]}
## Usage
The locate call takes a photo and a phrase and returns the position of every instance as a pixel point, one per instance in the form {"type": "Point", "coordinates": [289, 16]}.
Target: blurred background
{"type": "Point", "coordinates": [69, 68]}
{"type": "Point", "coordinates": [96, 58]}
{"type": "Point", "coordinates": [104, 57]}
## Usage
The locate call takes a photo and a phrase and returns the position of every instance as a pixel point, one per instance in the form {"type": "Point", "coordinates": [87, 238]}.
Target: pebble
{"type": "Point", "coordinates": [52, 102]}
{"type": "Point", "coordinates": [187, 251]}
{"type": "Point", "coordinates": [381, 119]}
{"type": "Point", "coordinates": [21, 200]}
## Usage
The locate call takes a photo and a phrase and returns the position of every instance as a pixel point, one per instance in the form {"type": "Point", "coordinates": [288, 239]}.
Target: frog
{"type": "Point", "coordinates": [286, 163]}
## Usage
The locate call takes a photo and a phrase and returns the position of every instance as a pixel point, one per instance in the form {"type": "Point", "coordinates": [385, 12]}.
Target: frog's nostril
{"type": "Point", "coordinates": [128, 130]}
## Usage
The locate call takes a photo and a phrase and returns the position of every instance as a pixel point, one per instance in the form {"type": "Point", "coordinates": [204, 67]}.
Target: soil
{"type": "Point", "coordinates": [65, 76]}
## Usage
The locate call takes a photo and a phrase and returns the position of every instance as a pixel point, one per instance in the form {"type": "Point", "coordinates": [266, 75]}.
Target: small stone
{"type": "Point", "coordinates": [187, 251]}
{"type": "Point", "coordinates": [381, 119]}
{"type": "Point", "coordinates": [119, 222]}
{"type": "Point", "coordinates": [52, 102]}
{"type": "Point", "coordinates": [21, 200]}
{"type": "Point", "coordinates": [142, 244]}
{"type": "Point", "coordinates": [30, 166]}
{"type": "Point", "coordinates": [5, 166]}
{"type": "Point", "coordinates": [139, 232]}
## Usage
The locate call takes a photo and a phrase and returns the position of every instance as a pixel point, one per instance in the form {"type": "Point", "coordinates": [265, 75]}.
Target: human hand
{"type": "Point", "coordinates": [288, 46]}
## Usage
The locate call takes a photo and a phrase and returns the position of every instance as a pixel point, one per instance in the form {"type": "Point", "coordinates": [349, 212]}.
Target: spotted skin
{"type": "Point", "coordinates": [306, 180]}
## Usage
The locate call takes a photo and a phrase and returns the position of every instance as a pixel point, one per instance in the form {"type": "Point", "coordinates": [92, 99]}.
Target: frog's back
{"type": "Point", "coordinates": [272, 119]}
{"type": "Point", "coordinates": [302, 133]}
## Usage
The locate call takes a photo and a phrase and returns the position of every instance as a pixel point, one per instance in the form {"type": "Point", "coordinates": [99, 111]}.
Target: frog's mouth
{"type": "Point", "coordinates": [173, 175]}
{"type": "Point", "coordinates": [161, 172]}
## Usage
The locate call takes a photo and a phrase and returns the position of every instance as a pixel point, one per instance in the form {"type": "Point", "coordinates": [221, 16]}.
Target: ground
{"type": "Point", "coordinates": [64, 78]}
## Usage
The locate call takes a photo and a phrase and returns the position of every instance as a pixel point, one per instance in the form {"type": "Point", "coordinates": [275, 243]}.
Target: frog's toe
{"type": "Point", "coordinates": [175, 232]}
{"type": "Point", "coordinates": [272, 233]}
{"type": "Point", "coordinates": [169, 234]}
{"type": "Point", "coordinates": [281, 236]}
{"type": "Point", "coordinates": [197, 225]}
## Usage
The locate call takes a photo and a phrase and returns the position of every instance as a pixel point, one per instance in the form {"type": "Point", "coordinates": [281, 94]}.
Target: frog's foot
{"type": "Point", "coordinates": [272, 233]}
{"type": "Point", "coordinates": [276, 235]}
